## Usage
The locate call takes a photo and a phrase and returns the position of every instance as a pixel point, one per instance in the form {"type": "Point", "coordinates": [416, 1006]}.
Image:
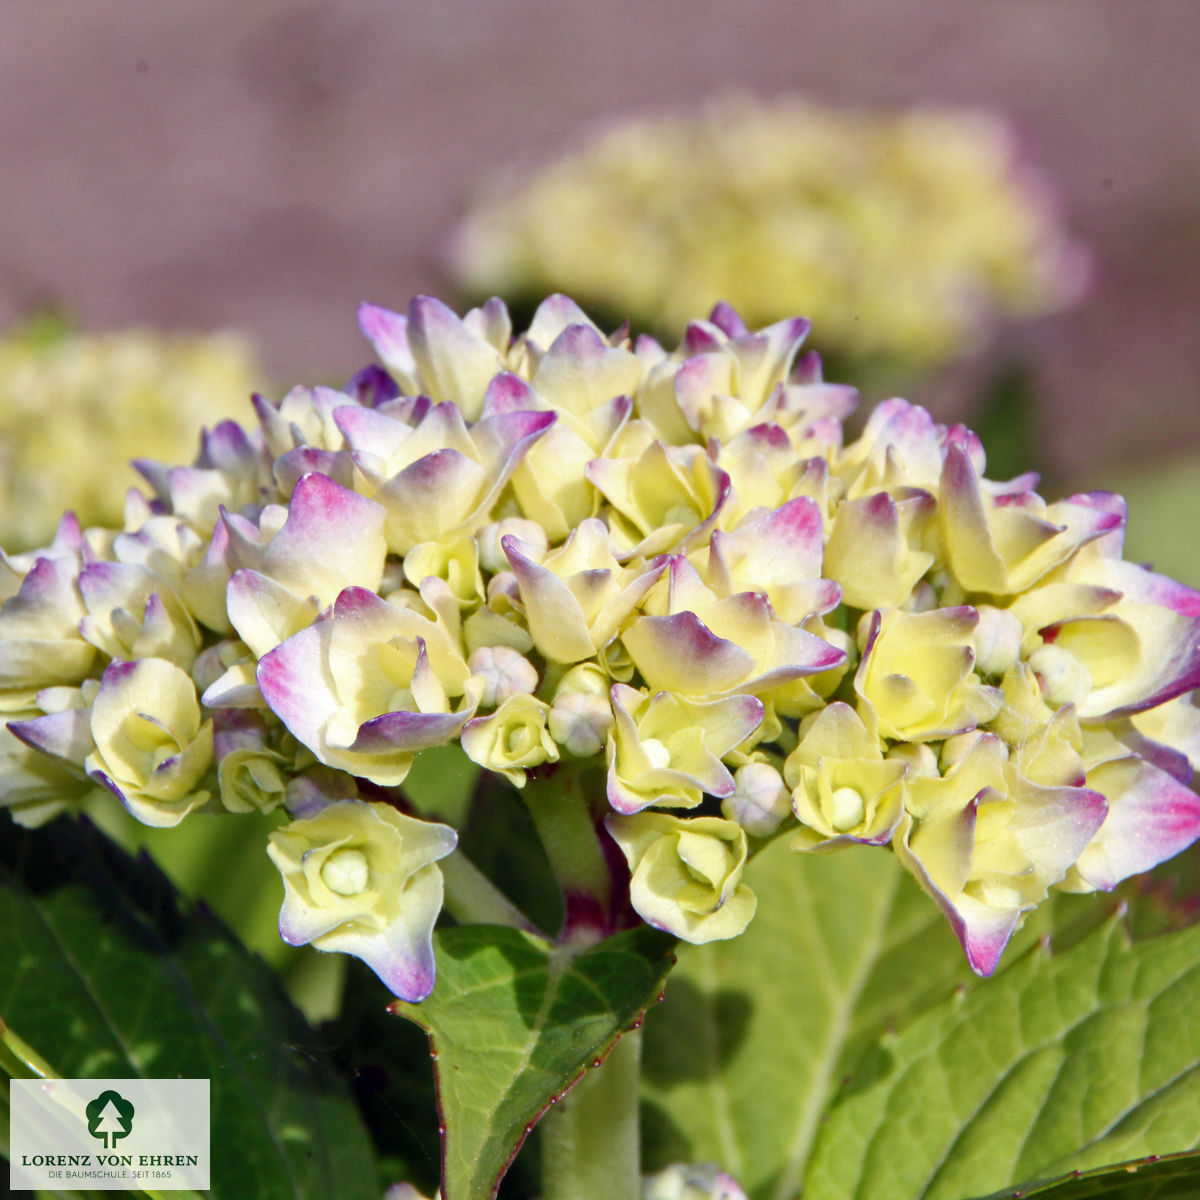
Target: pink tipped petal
{"type": "Point", "coordinates": [402, 958]}
{"type": "Point", "coordinates": [291, 467]}
{"type": "Point", "coordinates": [371, 432]}
{"type": "Point", "coordinates": [698, 380]}
{"type": "Point", "coordinates": [455, 364]}
{"type": "Point", "coordinates": [983, 933]}
{"type": "Point", "coordinates": [407, 731]}
{"type": "Point", "coordinates": [681, 654]}
{"type": "Point", "coordinates": [296, 684]}
{"type": "Point", "coordinates": [1150, 819]}
{"type": "Point", "coordinates": [727, 319]}
{"type": "Point", "coordinates": [504, 440]}
{"type": "Point", "coordinates": [66, 735]}
{"type": "Point", "coordinates": [333, 538]}
{"type": "Point", "coordinates": [553, 315]}
{"type": "Point", "coordinates": [508, 393]}
{"type": "Point", "coordinates": [702, 337]}
{"type": "Point", "coordinates": [388, 332]}
{"type": "Point", "coordinates": [1112, 543]}
{"type": "Point", "coordinates": [767, 356]}
{"type": "Point", "coordinates": [430, 498]}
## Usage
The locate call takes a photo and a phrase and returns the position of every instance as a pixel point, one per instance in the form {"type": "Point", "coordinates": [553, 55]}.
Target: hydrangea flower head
{"type": "Point", "coordinates": [903, 236]}
{"type": "Point", "coordinates": [72, 405]}
{"type": "Point", "coordinates": [660, 586]}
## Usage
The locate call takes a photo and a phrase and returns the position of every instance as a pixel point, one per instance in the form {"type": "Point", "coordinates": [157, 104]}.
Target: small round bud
{"type": "Point", "coordinates": [579, 722]}
{"type": "Point", "coordinates": [760, 800]}
{"type": "Point", "coordinates": [849, 808]}
{"type": "Point", "coordinates": [504, 672]}
{"type": "Point", "coordinates": [503, 592]}
{"type": "Point", "coordinates": [997, 640]}
{"type": "Point", "coordinates": [922, 761]}
{"type": "Point", "coordinates": [346, 872]}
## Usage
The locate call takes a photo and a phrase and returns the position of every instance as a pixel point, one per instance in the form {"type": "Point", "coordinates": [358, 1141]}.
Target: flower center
{"type": "Point", "coordinates": [848, 809]}
{"type": "Point", "coordinates": [656, 752]}
{"type": "Point", "coordinates": [346, 872]}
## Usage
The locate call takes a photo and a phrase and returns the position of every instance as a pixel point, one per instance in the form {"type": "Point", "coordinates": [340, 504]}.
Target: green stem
{"type": "Point", "coordinates": [590, 1140]}
{"type": "Point", "coordinates": [563, 818]}
{"type": "Point", "coordinates": [473, 899]}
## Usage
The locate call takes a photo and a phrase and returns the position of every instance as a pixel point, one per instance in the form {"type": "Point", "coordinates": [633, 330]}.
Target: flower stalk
{"type": "Point", "coordinates": [569, 833]}
{"type": "Point", "coordinates": [590, 1138]}
{"type": "Point", "coordinates": [471, 898]}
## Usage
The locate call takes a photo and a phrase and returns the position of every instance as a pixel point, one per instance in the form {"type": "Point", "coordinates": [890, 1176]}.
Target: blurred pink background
{"type": "Point", "coordinates": [265, 166]}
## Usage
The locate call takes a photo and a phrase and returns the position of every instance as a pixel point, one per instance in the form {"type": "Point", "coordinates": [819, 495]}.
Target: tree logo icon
{"type": "Point", "coordinates": [109, 1117]}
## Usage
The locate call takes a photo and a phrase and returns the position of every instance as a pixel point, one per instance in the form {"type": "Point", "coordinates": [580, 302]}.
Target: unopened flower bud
{"type": "Point", "coordinates": [579, 722]}
{"type": "Point", "coordinates": [761, 800]}
{"type": "Point", "coordinates": [919, 757]}
{"type": "Point", "coordinates": [685, 1182]}
{"type": "Point", "coordinates": [504, 672]}
{"type": "Point", "coordinates": [997, 640]}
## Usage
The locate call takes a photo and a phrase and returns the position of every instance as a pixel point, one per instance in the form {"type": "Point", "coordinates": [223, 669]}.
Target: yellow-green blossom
{"type": "Point", "coordinates": [917, 677]}
{"type": "Point", "coordinates": [902, 235]}
{"type": "Point", "coordinates": [843, 789]}
{"type": "Point", "coordinates": [76, 407]}
{"type": "Point", "coordinates": [511, 739]}
{"type": "Point", "coordinates": [152, 747]}
{"type": "Point", "coordinates": [686, 875]}
{"type": "Point", "coordinates": [660, 579]}
{"type": "Point", "coordinates": [361, 879]}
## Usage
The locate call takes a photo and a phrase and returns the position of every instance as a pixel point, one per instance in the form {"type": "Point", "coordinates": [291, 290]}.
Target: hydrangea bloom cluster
{"type": "Point", "coordinates": [904, 236]}
{"type": "Point", "coordinates": [74, 406]}
{"type": "Point", "coordinates": [582, 557]}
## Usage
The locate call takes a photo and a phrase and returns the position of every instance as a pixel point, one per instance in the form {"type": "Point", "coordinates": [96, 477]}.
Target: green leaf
{"type": "Point", "coordinates": [104, 973]}
{"type": "Point", "coordinates": [513, 1022]}
{"type": "Point", "coordinates": [1175, 1177]}
{"type": "Point", "coordinates": [841, 946]}
{"type": "Point", "coordinates": [1059, 1063]}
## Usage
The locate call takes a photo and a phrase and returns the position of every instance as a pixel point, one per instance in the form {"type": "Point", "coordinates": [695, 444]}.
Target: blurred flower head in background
{"type": "Point", "coordinates": [905, 237]}
{"type": "Point", "coordinates": [75, 407]}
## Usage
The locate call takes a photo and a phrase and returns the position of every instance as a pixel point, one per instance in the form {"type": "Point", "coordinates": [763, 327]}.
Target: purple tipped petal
{"type": "Point", "coordinates": [508, 393]}
{"type": "Point", "coordinates": [291, 467]}
{"type": "Point", "coordinates": [681, 654]}
{"type": "Point", "coordinates": [388, 332]}
{"type": "Point", "coordinates": [1152, 818]}
{"type": "Point", "coordinates": [66, 735]}
{"type": "Point", "coordinates": [407, 732]}
{"type": "Point", "coordinates": [294, 681]}
{"type": "Point", "coordinates": [372, 386]}
{"type": "Point", "coordinates": [226, 448]}
{"type": "Point", "coordinates": [727, 319]}
{"type": "Point", "coordinates": [702, 338]}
